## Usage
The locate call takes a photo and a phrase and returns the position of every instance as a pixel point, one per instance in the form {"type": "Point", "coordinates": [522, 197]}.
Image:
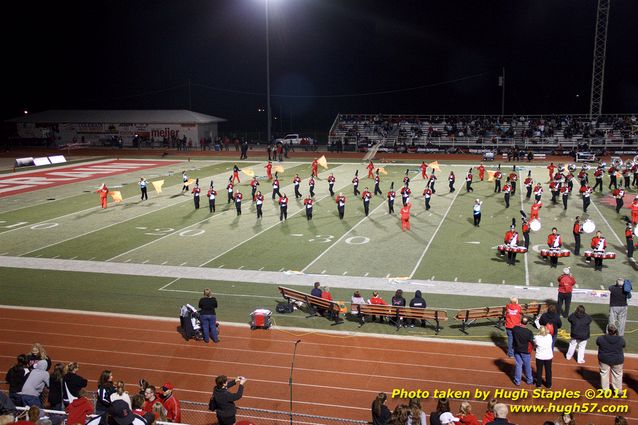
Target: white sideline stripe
{"type": "Point", "coordinates": [168, 284]}
{"type": "Point", "coordinates": [418, 263]}
{"type": "Point", "coordinates": [286, 329]}
{"type": "Point", "coordinates": [342, 236]}
{"type": "Point", "coordinates": [607, 223]}
{"type": "Point", "coordinates": [266, 229]}
{"type": "Point", "coordinates": [186, 291]}
{"type": "Point", "coordinates": [520, 191]}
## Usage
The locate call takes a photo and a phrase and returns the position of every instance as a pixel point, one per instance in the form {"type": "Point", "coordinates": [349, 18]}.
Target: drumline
{"type": "Point", "coordinates": [605, 255]}
{"type": "Point", "coordinates": [502, 249]}
{"type": "Point", "coordinates": [555, 253]}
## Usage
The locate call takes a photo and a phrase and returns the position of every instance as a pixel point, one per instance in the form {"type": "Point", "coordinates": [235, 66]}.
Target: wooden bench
{"type": "Point", "coordinates": [470, 315]}
{"type": "Point", "coordinates": [314, 303]}
{"type": "Point", "coordinates": [397, 313]}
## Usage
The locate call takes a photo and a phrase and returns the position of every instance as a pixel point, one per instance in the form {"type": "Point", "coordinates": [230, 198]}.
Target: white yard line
{"type": "Point", "coordinates": [607, 223]}
{"type": "Point", "coordinates": [341, 238]}
{"type": "Point", "coordinates": [163, 288]}
{"type": "Point", "coordinates": [418, 263]}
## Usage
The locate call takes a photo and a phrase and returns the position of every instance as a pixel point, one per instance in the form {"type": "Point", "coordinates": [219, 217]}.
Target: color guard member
{"type": "Point", "coordinates": [424, 170]}
{"type": "Point", "coordinates": [143, 188]}
{"type": "Point", "coordinates": [481, 171]}
{"type": "Point", "coordinates": [268, 168]}
{"type": "Point", "coordinates": [253, 187]}
{"type": "Point", "coordinates": [451, 179]}
{"type": "Point", "coordinates": [405, 217]}
{"type": "Point", "coordinates": [536, 206]}
{"type": "Point", "coordinates": [236, 174]}
{"type": "Point", "coordinates": [184, 182]}
{"type": "Point", "coordinates": [370, 168]}
{"type": "Point", "coordinates": [104, 192]}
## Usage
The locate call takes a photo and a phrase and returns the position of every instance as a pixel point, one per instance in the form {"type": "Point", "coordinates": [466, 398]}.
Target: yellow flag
{"type": "Point", "coordinates": [278, 169]}
{"type": "Point", "coordinates": [490, 176]}
{"type": "Point", "coordinates": [248, 171]}
{"type": "Point", "coordinates": [190, 182]}
{"type": "Point", "coordinates": [322, 161]}
{"type": "Point", "coordinates": [158, 185]}
{"type": "Point", "coordinates": [435, 165]}
{"type": "Point", "coordinates": [116, 195]}
{"type": "Point", "coordinates": [383, 171]}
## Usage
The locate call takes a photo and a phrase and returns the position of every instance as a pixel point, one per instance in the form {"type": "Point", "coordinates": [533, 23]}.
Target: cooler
{"type": "Point", "coordinates": [260, 318]}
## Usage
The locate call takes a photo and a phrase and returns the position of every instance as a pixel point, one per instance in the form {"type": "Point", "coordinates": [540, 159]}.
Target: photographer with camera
{"type": "Point", "coordinates": [223, 401]}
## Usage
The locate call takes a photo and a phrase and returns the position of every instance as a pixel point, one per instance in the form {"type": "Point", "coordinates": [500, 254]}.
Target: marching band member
{"type": "Point", "coordinates": [525, 230]}
{"type": "Point", "coordinates": [103, 191]}
{"type": "Point", "coordinates": [377, 181]}
{"type": "Point", "coordinates": [468, 181]}
{"type": "Point", "coordinates": [586, 192]}
{"type": "Point", "coordinates": [634, 170]}
{"type": "Point", "coordinates": [554, 188]}
{"type": "Point", "coordinates": [476, 212]}
{"type": "Point", "coordinates": [598, 244]}
{"type": "Point", "coordinates": [341, 205]}
{"type": "Point", "coordinates": [497, 179]}
{"type": "Point", "coordinates": [612, 177]}
{"type": "Point", "coordinates": [268, 168]}
{"type": "Point", "coordinates": [230, 190]}
{"type": "Point", "coordinates": [538, 192]}
{"type": "Point", "coordinates": [512, 242]}
{"type": "Point", "coordinates": [283, 207]}
{"type": "Point", "coordinates": [583, 177]}
{"type": "Point", "coordinates": [634, 211]}
{"type": "Point", "coordinates": [211, 195]}
{"type": "Point", "coordinates": [432, 182]}
{"type": "Point", "coordinates": [424, 170]}
{"type": "Point", "coordinates": [315, 166]}
{"type": "Point", "coordinates": [427, 195]}
{"type": "Point", "coordinates": [296, 181]}
{"type": "Point", "coordinates": [253, 187]}
{"type": "Point", "coordinates": [481, 171]}
{"type": "Point", "coordinates": [308, 204]}
{"type": "Point", "coordinates": [370, 168]}
{"type": "Point", "coordinates": [529, 182]}
{"type": "Point", "coordinates": [355, 183]}
{"type": "Point", "coordinates": [507, 189]}
{"type": "Point", "coordinates": [598, 175]}
{"type": "Point", "coordinates": [629, 237]}
{"type": "Point", "coordinates": [405, 194]}
{"type": "Point", "coordinates": [275, 187]}
{"type": "Point", "coordinates": [236, 174]}
{"type": "Point", "coordinates": [259, 202]}
{"type": "Point", "coordinates": [405, 217]}
{"type": "Point", "coordinates": [331, 184]}
{"type": "Point", "coordinates": [536, 206]}
{"type": "Point", "coordinates": [513, 179]}
{"type": "Point", "coordinates": [551, 167]}
{"type": "Point", "coordinates": [619, 194]}
{"type": "Point", "coordinates": [564, 191]}
{"type": "Point", "coordinates": [391, 197]}
{"type": "Point", "coordinates": [577, 229]}
{"type": "Point", "coordinates": [626, 174]}
{"type": "Point", "coordinates": [184, 182]}
{"type": "Point", "coordinates": [311, 186]}
{"type": "Point", "coordinates": [569, 180]}
{"type": "Point", "coordinates": [555, 243]}
{"type": "Point", "coordinates": [366, 195]}
{"type": "Point", "coordinates": [238, 197]}
{"type": "Point", "coordinates": [196, 190]}
{"type": "Point", "coordinates": [406, 178]}
{"type": "Point", "coordinates": [143, 188]}
{"type": "Point", "coordinates": [451, 179]}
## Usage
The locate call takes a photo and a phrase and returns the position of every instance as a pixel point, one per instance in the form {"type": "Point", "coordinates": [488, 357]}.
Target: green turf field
{"type": "Point", "coordinates": [66, 223]}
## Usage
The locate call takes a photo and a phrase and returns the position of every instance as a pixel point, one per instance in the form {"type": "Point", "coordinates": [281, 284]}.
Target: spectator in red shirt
{"type": "Point", "coordinates": [513, 315]}
{"type": "Point", "coordinates": [325, 293]}
{"type": "Point", "coordinates": [79, 409]}
{"type": "Point", "coordinates": [566, 284]}
{"type": "Point", "coordinates": [377, 300]}
{"type": "Point", "coordinates": [171, 404]}
{"type": "Point", "coordinates": [150, 398]}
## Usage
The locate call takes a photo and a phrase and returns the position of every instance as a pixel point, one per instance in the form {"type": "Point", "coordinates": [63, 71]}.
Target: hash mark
{"type": "Point", "coordinates": [240, 267]}
{"type": "Point", "coordinates": [221, 267]}
{"type": "Point", "coordinates": [128, 260]}
{"type": "Point", "coordinates": [145, 261]}
{"type": "Point", "coordinates": [261, 268]}
{"type": "Point", "coordinates": [365, 275]}
{"type": "Point", "coordinates": [183, 263]}
{"type": "Point", "coordinates": [164, 263]}
{"type": "Point", "coordinates": [323, 272]}
{"type": "Point", "coordinates": [344, 273]}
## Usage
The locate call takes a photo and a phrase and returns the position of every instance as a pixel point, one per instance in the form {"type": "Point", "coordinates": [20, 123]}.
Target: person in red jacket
{"type": "Point", "coordinates": [268, 168]}
{"type": "Point", "coordinates": [551, 167]}
{"type": "Point", "coordinates": [513, 315]}
{"type": "Point", "coordinates": [481, 171]}
{"type": "Point", "coordinates": [315, 165]}
{"type": "Point", "coordinates": [598, 244]}
{"type": "Point", "coordinates": [103, 191]}
{"type": "Point", "coordinates": [171, 404]}
{"type": "Point", "coordinates": [424, 170]}
{"type": "Point", "coordinates": [634, 211]}
{"type": "Point", "coordinates": [377, 300]}
{"type": "Point", "coordinates": [566, 284]}
{"type": "Point", "coordinates": [79, 409]}
{"type": "Point", "coordinates": [536, 206]}
{"type": "Point", "coordinates": [405, 216]}
{"type": "Point", "coordinates": [465, 414]}
{"type": "Point", "coordinates": [370, 168]}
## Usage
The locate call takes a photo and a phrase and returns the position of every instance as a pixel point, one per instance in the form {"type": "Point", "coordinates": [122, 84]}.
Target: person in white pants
{"type": "Point", "coordinates": [580, 323]}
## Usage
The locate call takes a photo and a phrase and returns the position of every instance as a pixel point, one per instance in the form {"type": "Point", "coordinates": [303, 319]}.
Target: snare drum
{"type": "Point", "coordinates": [555, 253]}
{"type": "Point", "coordinates": [603, 255]}
{"type": "Point", "coordinates": [518, 249]}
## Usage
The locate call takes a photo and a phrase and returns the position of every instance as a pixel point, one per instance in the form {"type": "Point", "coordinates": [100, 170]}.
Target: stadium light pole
{"type": "Point", "coordinates": [268, 111]}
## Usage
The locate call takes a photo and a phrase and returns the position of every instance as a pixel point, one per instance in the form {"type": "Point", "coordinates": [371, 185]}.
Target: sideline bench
{"type": "Point", "coordinates": [396, 313]}
{"type": "Point", "coordinates": [314, 303]}
{"type": "Point", "coordinates": [470, 315]}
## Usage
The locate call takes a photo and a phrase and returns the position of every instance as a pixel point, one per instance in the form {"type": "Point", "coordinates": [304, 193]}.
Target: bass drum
{"type": "Point", "coordinates": [589, 226]}
{"type": "Point", "coordinates": [535, 225]}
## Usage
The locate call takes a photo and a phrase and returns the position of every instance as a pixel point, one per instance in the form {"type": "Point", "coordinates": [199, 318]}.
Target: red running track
{"type": "Point", "coordinates": [335, 375]}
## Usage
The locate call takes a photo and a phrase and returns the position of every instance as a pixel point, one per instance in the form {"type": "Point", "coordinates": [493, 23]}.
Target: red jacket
{"type": "Point", "coordinates": [513, 314]}
{"type": "Point", "coordinates": [173, 410]}
{"type": "Point", "coordinates": [566, 283]}
{"type": "Point", "coordinates": [468, 419]}
{"type": "Point", "coordinates": [77, 411]}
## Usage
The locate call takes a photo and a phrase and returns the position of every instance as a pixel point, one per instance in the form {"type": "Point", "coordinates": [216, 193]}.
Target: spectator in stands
{"type": "Point", "coordinates": [400, 415]}
{"type": "Point", "coordinates": [447, 418]}
{"type": "Point", "coordinates": [120, 393]}
{"type": "Point", "coordinates": [377, 300]}
{"type": "Point", "coordinates": [417, 302]}
{"type": "Point", "coordinates": [56, 387]}
{"type": "Point", "coordinates": [316, 290]}
{"type": "Point", "coordinates": [105, 389]}
{"type": "Point", "coordinates": [566, 419]}
{"type": "Point", "coordinates": [489, 411]}
{"type": "Point", "coordinates": [544, 356]}
{"type": "Point", "coordinates": [137, 401]}
{"type": "Point", "coordinates": [73, 382]}
{"type": "Point", "coordinates": [399, 301]}
{"type": "Point", "coordinates": [325, 293]}
{"type": "Point", "coordinates": [15, 377]}
{"type": "Point", "coordinates": [7, 407]}
{"type": "Point", "coordinates": [442, 406]}
{"type": "Point", "coordinates": [580, 323]}
{"type": "Point", "coordinates": [355, 301]}
{"type": "Point", "coordinates": [417, 415]}
{"type": "Point", "coordinates": [171, 403]}
{"type": "Point", "coordinates": [207, 305]}
{"type": "Point", "coordinates": [224, 400]}
{"type": "Point", "coordinates": [119, 414]}
{"type": "Point", "coordinates": [523, 340]}
{"type": "Point", "coordinates": [38, 353]}
{"type": "Point", "coordinates": [79, 409]}
{"type": "Point", "coordinates": [143, 384]}
{"type": "Point", "coordinates": [150, 397]}
{"type": "Point", "coordinates": [513, 315]}
{"type": "Point", "coordinates": [620, 420]}
{"type": "Point", "coordinates": [159, 412]}
{"type": "Point", "coordinates": [37, 380]}
{"type": "Point", "coordinates": [32, 417]}
{"type": "Point", "coordinates": [380, 412]}
{"type": "Point", "coordinates": [552, 317]}
{"type": "Point", "coordinates": [611, 358]}
{"type": "Point", "coordinates": [465, 414]}
{"type": "Point", "coordinates": [500, 412]}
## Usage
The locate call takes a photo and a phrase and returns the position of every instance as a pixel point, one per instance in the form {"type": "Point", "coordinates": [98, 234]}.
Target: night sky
{"type": "Point", "coordinates": [327, 56]}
